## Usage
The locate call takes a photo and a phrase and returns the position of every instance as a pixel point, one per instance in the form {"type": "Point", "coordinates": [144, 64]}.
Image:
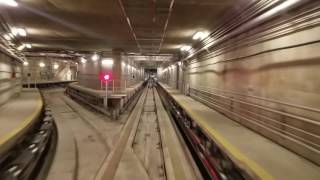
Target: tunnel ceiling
{"type": "Point", "coordinates": [145, 26]}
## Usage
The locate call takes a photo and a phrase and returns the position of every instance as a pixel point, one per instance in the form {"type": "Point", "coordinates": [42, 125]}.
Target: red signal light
{"type": "Point", "coordinates": [106, 77]}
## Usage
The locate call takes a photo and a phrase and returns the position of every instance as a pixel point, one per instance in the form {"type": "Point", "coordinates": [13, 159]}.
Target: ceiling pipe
{"type": "Point", "coordinates": [129, 23]}
{"type": "Point", "coordinates": [54, 55]}
{"type": "Point", "coordinates": [166, 24]}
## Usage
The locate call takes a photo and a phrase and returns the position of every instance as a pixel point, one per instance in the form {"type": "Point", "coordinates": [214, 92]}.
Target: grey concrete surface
{"type": "Point", "coordinates": [147, 143]}
{"type": "Point", "coordinates": [147, 155]}
{"type": "Point", "coordinates": [109, 168]}
{"type": "Point", "coordinates": [85, 138]}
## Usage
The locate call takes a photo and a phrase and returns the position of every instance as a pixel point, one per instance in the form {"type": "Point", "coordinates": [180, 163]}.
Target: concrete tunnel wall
{"type": "Point", "coordinates": [271, 84]}
{"type": "Point", "coordinates": [10, 78]}
{"type": "Point", "coordinates": [65, 72]}
{"type": "Point", "coordinates": [123, 69]}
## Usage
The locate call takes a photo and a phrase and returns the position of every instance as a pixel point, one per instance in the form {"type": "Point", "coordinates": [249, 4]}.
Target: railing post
{"type": "Point", "coordinates": [106, 98]}
{"type": "Point", "coordinates": [113, 86]}
{"type": "Point", "coordinates": [125, 85]}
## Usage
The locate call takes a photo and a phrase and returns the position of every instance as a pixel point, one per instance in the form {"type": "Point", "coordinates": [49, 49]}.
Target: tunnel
{"type": "Point", "coordinates": [159, 89]}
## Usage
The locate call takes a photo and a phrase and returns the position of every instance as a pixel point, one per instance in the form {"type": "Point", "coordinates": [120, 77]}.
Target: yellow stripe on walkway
{"type": "Point", "coordinates": [258, 170]}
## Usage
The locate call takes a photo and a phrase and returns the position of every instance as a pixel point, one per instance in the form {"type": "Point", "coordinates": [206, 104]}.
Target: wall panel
{"type": "Point", "coordinates": [10, 78]}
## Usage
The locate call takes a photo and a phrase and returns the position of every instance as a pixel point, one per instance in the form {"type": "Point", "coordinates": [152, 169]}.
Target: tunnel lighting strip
{"type": "Point", "coordinates": [11, 3]}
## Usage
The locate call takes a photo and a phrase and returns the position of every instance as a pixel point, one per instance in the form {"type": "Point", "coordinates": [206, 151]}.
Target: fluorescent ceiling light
{"type": "Point", "coordinates": [12, 3]}
{"type": "Point", "coordinates": [199, 35]}
{"type": "Point", "coordinates": [83, 60]}
{"type": "Point", "coordinates": [14, 31]}
{"type": "Point", "coordinates": [107, 61]}
{"type": "Point", "coordinates": [18, 31]}
{"type": "Point", "coordinates": [11, 35]}
{"type": "Point", "coordinates": [55, 66]}
{"type": "Point", "coordinates": [28, 45]}
{"type": "Point", "coordinates": [25, 63]}
{"type": "Point", "coordinates": [21, 47]}
{"type": "Point", "coordinates": [22, 32]}
{"type": "Point", "coordinates": [185, 48]}
{"type": "Point", "coordinates": [42, 64]}
{"type": "Point", "coordinates": [95, 57]}
{"type": "Point", "coordinates": [7, 37]}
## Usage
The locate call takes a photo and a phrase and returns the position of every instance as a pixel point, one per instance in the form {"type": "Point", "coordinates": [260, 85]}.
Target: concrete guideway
{"type": "Point", "coordinates": [85, 138]}
{"type": "Point", "coordinates": [147, 144]}
{"type": "Point", "coordinates": [148, 147]}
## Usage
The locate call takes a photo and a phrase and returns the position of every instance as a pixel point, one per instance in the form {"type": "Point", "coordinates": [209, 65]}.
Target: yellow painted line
{"type": "Point", "coordinates": [258, 170]}
{"type": "Point", "coordinates": [4, 139]}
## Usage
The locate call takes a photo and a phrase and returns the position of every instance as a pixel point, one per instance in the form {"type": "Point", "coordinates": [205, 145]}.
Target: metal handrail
{"type": "Point", "coordinates": [261, 98]}
{"type": "Point", "coordinates": [311, 121]}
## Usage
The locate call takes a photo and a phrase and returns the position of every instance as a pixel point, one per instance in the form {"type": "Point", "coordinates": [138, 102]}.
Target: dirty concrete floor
{"type": "Point", "coordinates": [84, 138]}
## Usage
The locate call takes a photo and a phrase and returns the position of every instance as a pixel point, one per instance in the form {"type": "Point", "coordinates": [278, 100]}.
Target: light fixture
{"type": "Point", "coordinates": [21, 47]}
{"type": "Point", "coordinates": [199, 35]}
{"type": "Point", "coordinates": [12, 3]}
{"type": "Point", "coordinates": [55, 66]}
{"type": "Point", "coordinates": [28, 45]}
{"type": "Point", "coordinates": [107, 61]}
{"type": "Point", "coordinates": [282, 6]}
{"type": "Point", "coordinates": [106, 77]}
{"type": "Point", "coordinates": [7, 37]}
{"type": "Point", "coordinates": [25, 63]}
{"type": "Point", "coordinates": [42, 64]}
{"type": "Point", "coordinates": [185, 48]}
{"type": "Point", "coordinates": [179, 63]}
{"type": "Point", "coordinates": [83, 60]}
{"type": "Point", "coordinates": [22, 32]}
{"type": "Point", "coordinates": [14, 31]}
{"type": "Point", "coordinates": [18, 31]}
{"type": "Point", "coordinates": [95, 57]}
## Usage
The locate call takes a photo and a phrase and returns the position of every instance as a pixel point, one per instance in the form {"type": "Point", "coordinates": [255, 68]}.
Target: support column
{"type": "Point", "coordinates": [117, 68]}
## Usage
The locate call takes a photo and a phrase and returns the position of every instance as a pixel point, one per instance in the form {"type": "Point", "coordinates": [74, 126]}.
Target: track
{"type": "Point", "coordinates": [147, 142]}
{"type": "Point", "coordinates": [149, 147]}
{"type": "Point", "coordinates": [141, 147]}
